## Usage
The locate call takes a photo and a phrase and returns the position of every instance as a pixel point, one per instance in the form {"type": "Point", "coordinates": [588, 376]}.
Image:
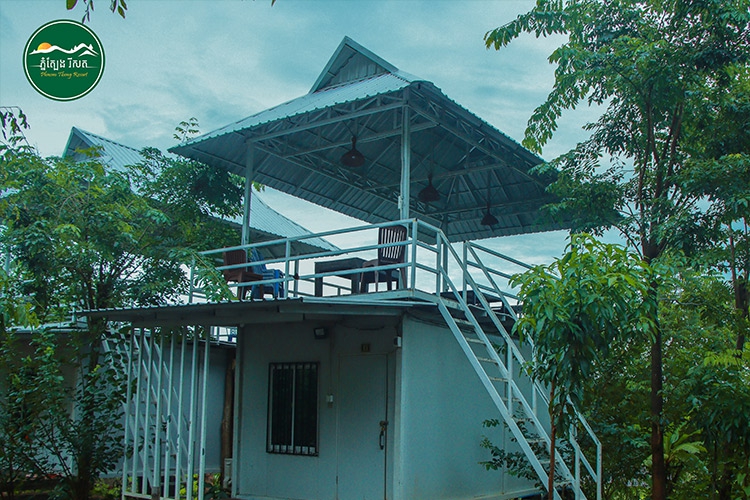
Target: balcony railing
{"type": "Point", "coordinates": [429, 259]}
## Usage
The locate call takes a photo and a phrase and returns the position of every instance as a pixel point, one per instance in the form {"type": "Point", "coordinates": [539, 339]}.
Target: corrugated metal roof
{"type": "Point", "coordinates": [368, 87]}
{"type": "Point", "coordinates": [297, 148]}
{"type": "Point", "coordinates": [114, 154]}
{"type": "Point", "coordinates": [265, 222]}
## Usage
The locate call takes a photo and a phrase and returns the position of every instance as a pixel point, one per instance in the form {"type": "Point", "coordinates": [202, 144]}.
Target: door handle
{"type": "Point", "coordinates": [381, 439]}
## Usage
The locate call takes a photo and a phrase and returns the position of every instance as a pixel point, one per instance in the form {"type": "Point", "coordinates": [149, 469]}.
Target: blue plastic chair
{"type": "Point", "coordinates": [276, 289]}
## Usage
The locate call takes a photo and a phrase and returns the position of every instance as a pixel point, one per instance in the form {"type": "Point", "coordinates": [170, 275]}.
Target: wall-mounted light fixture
{"type": "Point", "coordinates": [320, 333]}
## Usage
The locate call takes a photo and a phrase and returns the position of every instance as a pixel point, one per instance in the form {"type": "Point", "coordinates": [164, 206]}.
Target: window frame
{"type": "Point", "coordinates": [293, 416]}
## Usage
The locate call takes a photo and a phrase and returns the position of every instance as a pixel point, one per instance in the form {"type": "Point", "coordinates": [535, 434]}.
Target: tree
{"type": "Point", "coordinates": [651, 64]}
{"type": "Point", "coordinates": [573, 310]}
{"type": "Point", "coordinates": [82, 238]}
{"type": "Point", "coordinates": [119, 6]}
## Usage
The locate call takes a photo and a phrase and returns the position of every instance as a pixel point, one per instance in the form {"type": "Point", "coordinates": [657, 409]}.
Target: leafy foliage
{"type": "Point", "coordinates": [663, 72]}
{"type": "Point", "coordinates": [87, 236]}
{"type": "Point", "coordinates": [119, 6]}
{"type": "Point", "coordinates": [576, 307]}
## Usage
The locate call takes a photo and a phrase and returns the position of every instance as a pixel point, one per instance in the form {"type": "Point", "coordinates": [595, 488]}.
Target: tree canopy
{"type": "Point", "coordinates": [665, 73]}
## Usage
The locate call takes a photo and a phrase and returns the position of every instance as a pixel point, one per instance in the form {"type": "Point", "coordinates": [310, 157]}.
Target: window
{"type": "Point", "coordinates": [293, 408]}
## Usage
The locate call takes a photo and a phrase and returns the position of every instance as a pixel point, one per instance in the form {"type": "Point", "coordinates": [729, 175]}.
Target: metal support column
{"type": "Point", "coordinates": [249, 174]}
{"type": "Point", "coordinates": [403, 200]}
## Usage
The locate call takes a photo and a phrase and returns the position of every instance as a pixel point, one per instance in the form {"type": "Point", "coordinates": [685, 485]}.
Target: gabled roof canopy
{"type": "Point", "coordinates": [297, 146]}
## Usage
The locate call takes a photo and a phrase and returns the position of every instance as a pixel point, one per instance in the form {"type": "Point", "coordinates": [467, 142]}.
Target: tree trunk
{"type": "Point", "coordinates": [658, 469]}
{"type": "Point", "coordinates": [741, 304]}
{"type": "Point", "coordinates": [552, 437]}
{"type": "Point", "coordinates": [227, 419]}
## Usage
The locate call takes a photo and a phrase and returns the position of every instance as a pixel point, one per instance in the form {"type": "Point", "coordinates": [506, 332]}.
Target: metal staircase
{"type": "Point", "coordinates": [498, 361]}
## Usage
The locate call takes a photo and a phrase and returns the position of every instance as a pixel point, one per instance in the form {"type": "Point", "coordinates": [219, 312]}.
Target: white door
{"type": "Point", "coordinates": [362, 427]}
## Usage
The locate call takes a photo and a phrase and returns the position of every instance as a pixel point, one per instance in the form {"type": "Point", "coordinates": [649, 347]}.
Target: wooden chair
{"type": "Point", "coordinates": [239, 274]}
{"type": "Point", "coordinates": [386, 256]}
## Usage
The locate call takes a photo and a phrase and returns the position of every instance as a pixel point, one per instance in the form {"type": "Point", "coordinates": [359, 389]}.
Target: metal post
{"type": "Point", "coordinates": [249, 173]}
{"type": "Point", "coordinates": [137, 414]}
{"type": "Point", "coordinates": [405, 163]}
{"type": "Point", "coordinates": [168, 439]}
{"type": "Point", "coordinates": [158, 418]}
{"type": "Point", "coordinates": [287, 256]}
{"type": "Point", "coordinates": [204, 398]}
{"type": "Point", "coordinates": [191, 422]}
{"type": "Point", "coordinates": [236, 420]}
{"type": "Point", "coordinates": [192, 281]}
{"type": "Point", "coordinates": [181, 418]}
{"type": "Point", "coordinates": [413, 267]}
{"type": "Point", "coordinates": [128, 405]}
{"type": "Point", "coordinates": [147, 346]}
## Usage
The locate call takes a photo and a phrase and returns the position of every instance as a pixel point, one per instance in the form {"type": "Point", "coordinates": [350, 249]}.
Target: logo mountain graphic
{"type": "Point", "coordinates": [80, 50]}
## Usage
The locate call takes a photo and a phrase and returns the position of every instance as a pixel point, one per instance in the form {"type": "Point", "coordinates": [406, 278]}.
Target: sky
{"type": "Point", "coordinates": [222, 60]}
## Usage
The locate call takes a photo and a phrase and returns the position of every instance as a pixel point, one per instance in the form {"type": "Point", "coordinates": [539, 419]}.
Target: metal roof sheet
{"type": "Point", "coordinates": [114, 154]}
{"type": "Point", "coordinates": [297, 148]}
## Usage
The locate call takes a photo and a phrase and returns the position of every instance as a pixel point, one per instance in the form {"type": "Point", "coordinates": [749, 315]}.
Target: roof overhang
{"type": "Point", "coordinates": [236, 313]}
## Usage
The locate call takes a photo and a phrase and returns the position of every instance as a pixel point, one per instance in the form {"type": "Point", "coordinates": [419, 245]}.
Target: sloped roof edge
{"type": "Point", "coordinates": [333, 66]}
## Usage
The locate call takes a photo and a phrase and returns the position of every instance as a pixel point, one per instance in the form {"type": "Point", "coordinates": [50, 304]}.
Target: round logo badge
{"type": "Point", "coordinates": [63, 60]}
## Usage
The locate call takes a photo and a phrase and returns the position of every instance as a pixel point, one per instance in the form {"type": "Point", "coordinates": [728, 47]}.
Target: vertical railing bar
{"type": "Point", "coordinates": [296, 281]}
{"type": "Point", "coordinates": [191, 427]}
{"type": "Point", "coordinates": [577, 465]}
{"type": "Point", "coordinates": [128, 407]}
{"type": "Point", "coordinates": [147, 417]}
{"type": "Point", "coordinates": [438, 266]}
{"type": "Point", "coordinates": [287, 278]}
{"type": "Point", "coordinates": [413, 266]}
{"type": "Point", "coordinates": [191, 289]}
{"type": "Point", "coordinates": [137, 416]}
{"type": "Point", "coordinates": [180, 420]}
{"type": "Point", "coordinates": [168, 431]}
{"type": "Point", "coordinates": [465, 271]}
{"type": "Point", "coordinates": [158, 418]}
{"type": "Point", "coordinates": [204, 399]}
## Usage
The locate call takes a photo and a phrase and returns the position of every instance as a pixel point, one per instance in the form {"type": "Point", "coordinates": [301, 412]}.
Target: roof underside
{"type": "Point", "coordinates": [297, 146]}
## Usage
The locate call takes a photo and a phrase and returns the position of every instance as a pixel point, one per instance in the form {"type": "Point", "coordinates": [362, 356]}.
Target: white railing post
{"type": "Point", "coordinates": [128, 407]}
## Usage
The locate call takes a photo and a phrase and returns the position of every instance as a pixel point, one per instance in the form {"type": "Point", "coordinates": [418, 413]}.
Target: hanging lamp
{"type": "Point", "coordinates": [488, 219]}
{"type": "Point", "coordinates": [429, 193]}
{"type": "Point", "coordinates": [353, 158]}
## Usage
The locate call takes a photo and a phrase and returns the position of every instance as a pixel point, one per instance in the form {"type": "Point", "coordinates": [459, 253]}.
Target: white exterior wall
{"type": "Point", "coordinates": [266, 475]}
{"type": "Point", "coordinates": [442, 405]}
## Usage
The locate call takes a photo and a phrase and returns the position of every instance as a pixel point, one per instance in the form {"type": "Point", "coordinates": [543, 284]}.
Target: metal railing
{"type": "Point", "coordinates": [425, 262]}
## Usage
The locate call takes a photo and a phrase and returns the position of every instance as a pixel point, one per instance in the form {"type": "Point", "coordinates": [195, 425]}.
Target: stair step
{"type": "Point", "coordinates": [487, 360]}
{"type": "Point", "coordinates": [474, 341]}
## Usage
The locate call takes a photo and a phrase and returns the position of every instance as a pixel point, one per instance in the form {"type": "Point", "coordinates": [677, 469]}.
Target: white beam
{"type": "Point", "coordinates": [403, 199]}
{"type": "Point", "coordinates": [249, 174]}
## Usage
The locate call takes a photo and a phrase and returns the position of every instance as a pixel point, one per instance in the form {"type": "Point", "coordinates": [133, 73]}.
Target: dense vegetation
{"type": "Point", "coordinates": [84, 236]}
{"type": "Point", "coordinates": [667, 165]}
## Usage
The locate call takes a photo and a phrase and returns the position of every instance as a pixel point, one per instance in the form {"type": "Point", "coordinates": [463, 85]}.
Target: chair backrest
{"type": "Point", "coordinates": [232, 258]}
{"type": "Point", "coordinates": [255, 256]}
{"type": "Point", "coordinates": [394, 254]}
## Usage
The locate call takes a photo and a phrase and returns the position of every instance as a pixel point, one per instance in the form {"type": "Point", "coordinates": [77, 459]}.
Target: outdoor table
{"type": "Point", "coordinates": [347, 264]}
